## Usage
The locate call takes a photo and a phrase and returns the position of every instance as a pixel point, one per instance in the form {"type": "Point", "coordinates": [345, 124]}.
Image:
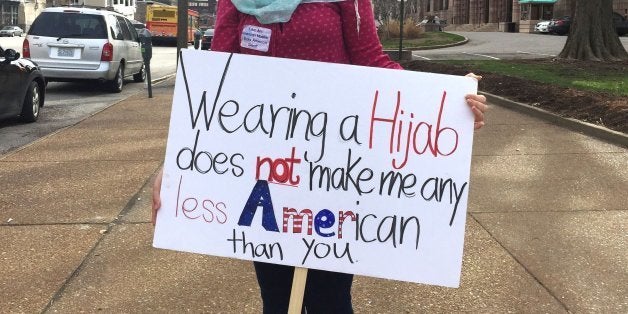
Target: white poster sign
{"type": "Point", "coordinates": [327, 166]}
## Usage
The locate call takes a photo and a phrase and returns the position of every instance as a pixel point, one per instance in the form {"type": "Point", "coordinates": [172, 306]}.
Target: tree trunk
{"type": "Point", "coordinates": [592, 34]}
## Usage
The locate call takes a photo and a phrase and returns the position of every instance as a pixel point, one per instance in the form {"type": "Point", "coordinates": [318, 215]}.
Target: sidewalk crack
{"type": "Point", "coordinates": [549, 291]}
{"type": "Point", "coordinates": [116, 221]}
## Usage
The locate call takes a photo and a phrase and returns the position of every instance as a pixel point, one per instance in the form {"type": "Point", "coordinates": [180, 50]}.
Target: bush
{"type": "Point", "coordinates": [412, 30]}
{"type": "Point", "coordinates": [391, 30]}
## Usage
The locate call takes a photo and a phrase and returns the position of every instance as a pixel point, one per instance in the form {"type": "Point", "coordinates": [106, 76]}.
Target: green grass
{"type": "Point", "coordinates": [426, 40]}
{"type": "Point", "coordinates": [586, 78]}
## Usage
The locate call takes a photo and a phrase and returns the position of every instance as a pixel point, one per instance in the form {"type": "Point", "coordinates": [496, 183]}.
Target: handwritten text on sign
{"type": "Point", "coordinates": [327, 166]}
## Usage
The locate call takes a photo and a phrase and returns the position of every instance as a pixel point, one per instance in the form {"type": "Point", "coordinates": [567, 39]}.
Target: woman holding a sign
{"type": "Point", "coordinates": [335, 31]}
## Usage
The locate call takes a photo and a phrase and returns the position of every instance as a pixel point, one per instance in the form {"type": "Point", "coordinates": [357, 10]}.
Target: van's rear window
{"type": "Point", "coordinates": [69, 25]}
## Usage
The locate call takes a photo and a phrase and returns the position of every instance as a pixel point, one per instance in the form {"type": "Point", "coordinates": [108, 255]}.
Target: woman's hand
{"type": "Point", "coordinates": [477, 103]}
{"type": "Point", "coordinates": [156, 195]}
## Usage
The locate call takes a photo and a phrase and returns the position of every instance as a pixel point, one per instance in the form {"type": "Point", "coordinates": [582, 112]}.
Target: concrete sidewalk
{"type": "Point", "coordinates": [547, 230]}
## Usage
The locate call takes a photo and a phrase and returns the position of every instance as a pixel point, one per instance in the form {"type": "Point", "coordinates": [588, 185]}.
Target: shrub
{"type": "Point", "coordinates": [411, 30]}
{"type": "Point", "coordinates": [391, 30]}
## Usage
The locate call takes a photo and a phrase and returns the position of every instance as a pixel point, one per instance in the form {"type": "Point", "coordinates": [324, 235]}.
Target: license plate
{"type": "Point", "coordinates": [65, 52]}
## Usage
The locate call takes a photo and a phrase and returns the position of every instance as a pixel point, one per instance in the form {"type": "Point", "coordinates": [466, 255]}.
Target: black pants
{"type": "Point", "coordinates": [325, 292]}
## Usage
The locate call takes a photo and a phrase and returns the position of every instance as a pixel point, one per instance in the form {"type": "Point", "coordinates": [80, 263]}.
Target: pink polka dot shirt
{"type": "Point", "coordinates": [326, 32]}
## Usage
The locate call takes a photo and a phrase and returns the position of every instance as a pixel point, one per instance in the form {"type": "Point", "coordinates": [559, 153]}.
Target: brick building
{"type": "Point", "coordinates": [494, 15]}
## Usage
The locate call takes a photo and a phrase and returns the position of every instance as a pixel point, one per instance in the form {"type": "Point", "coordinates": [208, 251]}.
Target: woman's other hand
{"type": "Point", "coordinates": [477, 103]}
{"type": "Point", "coordinates": [156, 195]}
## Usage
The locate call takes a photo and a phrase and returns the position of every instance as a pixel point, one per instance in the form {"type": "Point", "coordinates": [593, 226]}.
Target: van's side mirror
{"type": "Point", "coordinates": [11, 55]}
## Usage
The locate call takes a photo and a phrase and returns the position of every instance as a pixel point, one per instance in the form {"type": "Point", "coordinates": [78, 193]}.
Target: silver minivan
{"type": "Point", "coordinates": [71, 43]}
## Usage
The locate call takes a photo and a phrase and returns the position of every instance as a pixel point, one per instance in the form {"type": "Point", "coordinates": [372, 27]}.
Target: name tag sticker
{"type": "Point", "coordinates": [256, 38]}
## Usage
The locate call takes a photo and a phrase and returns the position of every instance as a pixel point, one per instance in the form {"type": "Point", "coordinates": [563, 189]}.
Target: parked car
{"type": "Point", "coordinates": [561, 26]}
{"type": "Point", "coordinates": [71, 43]}
{"type": "Point", "coordinates": [138, 25]}
{"type": "Point", "coordinates": [621, 24]}
{"type": "Point", "coordinates": [542, 27]}
{"type": "Point", "coordinates": [22, 87]}
{"type": "Point", "coordinates": [206, 41]}
{"type": "Point", "coordinates": [11, 31]}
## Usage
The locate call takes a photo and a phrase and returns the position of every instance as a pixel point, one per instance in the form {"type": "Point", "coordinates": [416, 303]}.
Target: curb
{"type": "Point", "coordinates": [586, 128]}
{"type": "Point", "coordinates": [460, 43]}
{"type": "Point", "coordinates": [407, 53]}
{"type": "Point", "coordinates": [161, 79]}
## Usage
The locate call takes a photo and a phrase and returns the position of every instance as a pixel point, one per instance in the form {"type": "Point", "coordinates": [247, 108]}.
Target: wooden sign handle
{"type": "Point", "coordinates": [298, 290]}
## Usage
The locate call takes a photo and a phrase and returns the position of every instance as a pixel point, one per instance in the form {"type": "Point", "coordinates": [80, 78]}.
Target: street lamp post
{"type": "Point", "coordinates": [400, 29]}
{"type": "Point", "coordinates": [182, 26]}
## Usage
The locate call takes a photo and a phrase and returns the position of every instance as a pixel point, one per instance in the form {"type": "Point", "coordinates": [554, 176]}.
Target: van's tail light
{"type": "Point", "coordinates": [107, 52]}
{"type": "Point", "coordinates": [26, 49]}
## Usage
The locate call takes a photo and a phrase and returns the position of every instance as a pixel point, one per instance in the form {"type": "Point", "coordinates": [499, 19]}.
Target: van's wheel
{"type": "Point", "coordinates": [32, 102]}
{"type": "Point", "coordinates": [118, 82]}
{"type": "Point", "coordinates": [141, 76]}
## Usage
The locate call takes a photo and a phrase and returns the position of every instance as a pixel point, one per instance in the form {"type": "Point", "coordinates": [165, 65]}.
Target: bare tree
{"type": "Point", "coordinates": [592, 34]}
{"type": "Point", "coordinates": [385, 11]}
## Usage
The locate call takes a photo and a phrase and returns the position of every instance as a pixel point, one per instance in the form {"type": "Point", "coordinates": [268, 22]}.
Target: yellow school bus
{"type": "Point", "coordinates": [161, 21]}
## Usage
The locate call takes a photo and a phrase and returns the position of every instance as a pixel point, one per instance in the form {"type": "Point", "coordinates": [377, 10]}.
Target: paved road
{"type": "Point", "coordinates": [12, 43]}
{"type": "Point", "coordinates": [495, 45]}
{"type": "Point", "coordinates": [68, 103]}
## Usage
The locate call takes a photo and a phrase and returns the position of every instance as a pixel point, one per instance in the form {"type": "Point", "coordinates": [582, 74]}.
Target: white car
{"type": "Point", "coordinates": [70, 43]}
{"type": "Point", "coordinates": [542, 27]}
{"type": "Point", "coordinates": [11, 31]}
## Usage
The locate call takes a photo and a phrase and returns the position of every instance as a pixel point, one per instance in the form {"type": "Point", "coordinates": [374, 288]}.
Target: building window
{"type": "Point", "coordinates": [8, 14]}
{"type": "Point", "coordinates": [524, 12]}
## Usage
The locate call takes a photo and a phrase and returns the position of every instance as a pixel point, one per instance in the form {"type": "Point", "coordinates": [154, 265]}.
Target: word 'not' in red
{"type": "Point", "coordinates": [281, 170]}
